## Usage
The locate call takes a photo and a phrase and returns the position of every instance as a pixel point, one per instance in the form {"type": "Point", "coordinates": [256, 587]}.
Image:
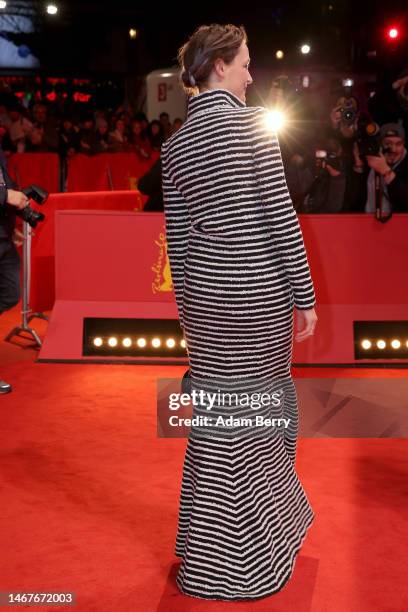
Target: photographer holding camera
{"type": "Point", "coordinates": [344, 118]}
{"type": "Point", "coordinates": [383, 174]}
{"type": "Point", "coordinates": [344, 126]}
{"type": "Point", "coordinates": [11, 201]}
{"type": "Point", "coordinates": [317, 184]}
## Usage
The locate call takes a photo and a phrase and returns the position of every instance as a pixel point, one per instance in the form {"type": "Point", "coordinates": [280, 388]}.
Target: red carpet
{"type": "Point", "coordinates": [90, 498]}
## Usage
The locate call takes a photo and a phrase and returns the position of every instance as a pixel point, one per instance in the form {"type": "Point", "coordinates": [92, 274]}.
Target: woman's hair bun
{"type": "Point", "coordinates": [197, 56]}
{"type": "Point", "coordinates": [187, 78]}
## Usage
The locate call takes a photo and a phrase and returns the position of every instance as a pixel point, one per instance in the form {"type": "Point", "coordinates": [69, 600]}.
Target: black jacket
{"type": "Point", "coordinates": [7, 212]}
{"type": "Point", "coordinates": [151, 184]}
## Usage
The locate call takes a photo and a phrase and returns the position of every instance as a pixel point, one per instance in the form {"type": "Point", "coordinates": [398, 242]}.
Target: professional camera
{"type": "Point", "coordinates": [348, 112]}
{"type": "Point", "coordinates": [367, 138]}
{"type": "Point", "coordinates": [333, 160]}
{"type": "Point", "coordinates": [28, 214]}
{"type": "Point", "coordinates": [320, 163]}
{"type": "Point", "coordinates": [331, 156]}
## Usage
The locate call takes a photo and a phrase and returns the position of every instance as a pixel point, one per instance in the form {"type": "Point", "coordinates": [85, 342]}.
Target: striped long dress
{"type": "Point", "coordinates": [239, 267]}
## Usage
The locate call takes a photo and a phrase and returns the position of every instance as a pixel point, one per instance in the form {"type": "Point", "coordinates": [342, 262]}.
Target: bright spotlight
{"type": "Point", "coordinates": [366, 344]}
{"type": "Point", "coordinates": [52, 9]}
{"type": "Point", "coordinates": [156, 342]}
{"type": "Point", "coordinates": [275, 120]}
{"type": "Point", "coordinates": [127, 342]}
{"type": "Point", "coordinates": [98, 341]}
{"type": "Point", "coordinates": [396, 344]}
{"type": "Point", "coordinates": [3, 4]}
{"type": "Point", "coordinates": [381, 344]}
{"type": "Point", "coordinates": [183, 343]}
{"type": "Point", "coordinates": [132, 33]}
{"type": "Point", "coordinates": [280, 54]}
{"type": "Point", "coordinates": [305, 49]}
{"type": "Point", "coordinates": [393, 33]}
{"type": "Point", "coordinates": [141, 342]}
{"type": "Point", "coordinates": [170, 342]}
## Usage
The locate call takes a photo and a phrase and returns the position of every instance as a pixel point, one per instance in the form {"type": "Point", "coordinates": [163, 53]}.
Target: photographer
{"type": "Point", "coordinates": [344, 127]}
{"type": "Point", "coordinates": [318, 185]}
{"type": "Point", "coordinates": [390, 165]}
{"type": "Point", "coordinates": [10, 200]}
{"type": "Point", "coordinates": [344, 124]}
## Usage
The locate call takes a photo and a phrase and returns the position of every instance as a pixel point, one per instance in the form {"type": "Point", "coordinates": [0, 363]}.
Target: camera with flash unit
{"type": "Point", "coordinates": [348, 107]}
{"type": "Point", "coordinates": [324, 157]}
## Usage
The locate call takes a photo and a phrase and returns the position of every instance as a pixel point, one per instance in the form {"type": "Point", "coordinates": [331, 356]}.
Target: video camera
{"type": "Point", "coordinates": [28, 214]}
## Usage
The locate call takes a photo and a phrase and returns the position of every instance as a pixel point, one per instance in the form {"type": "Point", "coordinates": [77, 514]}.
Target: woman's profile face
{"type": "Point", "coordinates": [236, 74]}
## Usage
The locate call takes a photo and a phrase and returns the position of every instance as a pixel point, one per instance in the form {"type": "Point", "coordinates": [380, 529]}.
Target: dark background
{"type": "Point", "coordinates": [88, 37]}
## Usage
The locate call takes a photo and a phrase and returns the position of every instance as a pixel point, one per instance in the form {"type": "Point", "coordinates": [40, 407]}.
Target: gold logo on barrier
{"type": "Point", "coordinates": [162, 279]}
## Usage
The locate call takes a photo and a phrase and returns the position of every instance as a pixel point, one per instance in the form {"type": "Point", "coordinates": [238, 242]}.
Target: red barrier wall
{"type": "Point", "coordinates": [108, 264]}
{"type": "Point", "coordinates": [115, 263]}
{"type": "Point", "coordinates": [103, 172]}
{"type": "Point", "coordinates": [39, 168]}
{"type": "Point", "coordinates": [43, 241]}
{"type": "Point", "coordinates": [106, 171]}
{"type": "Point", "coordinates": [113, 256]}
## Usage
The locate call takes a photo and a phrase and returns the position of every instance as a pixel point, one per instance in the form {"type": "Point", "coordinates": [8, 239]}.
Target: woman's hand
{"type": "Point", "coordinates": [306, 323]}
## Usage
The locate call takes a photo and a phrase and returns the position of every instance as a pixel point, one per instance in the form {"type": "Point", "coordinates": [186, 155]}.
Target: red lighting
{"type": "Point", "coordinates": [81, 97]}
{"type": "Point", "coordinates": [393, 33]}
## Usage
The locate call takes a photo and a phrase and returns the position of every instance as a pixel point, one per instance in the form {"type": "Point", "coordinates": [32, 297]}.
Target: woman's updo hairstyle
{"type": "Point", "coordinates": [208, 43]}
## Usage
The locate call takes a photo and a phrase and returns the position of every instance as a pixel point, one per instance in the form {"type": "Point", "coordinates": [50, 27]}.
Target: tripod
{"type": "Point", "coordinates": [26, 313]}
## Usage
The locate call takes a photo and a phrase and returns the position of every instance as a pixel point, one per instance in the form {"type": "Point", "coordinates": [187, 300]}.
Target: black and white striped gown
{"type": "Point", "coordinates": [238, 266]}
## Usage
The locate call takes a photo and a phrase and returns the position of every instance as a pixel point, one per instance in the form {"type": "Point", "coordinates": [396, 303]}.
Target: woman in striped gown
{"type": "Point", "coordinates": [239, 267]}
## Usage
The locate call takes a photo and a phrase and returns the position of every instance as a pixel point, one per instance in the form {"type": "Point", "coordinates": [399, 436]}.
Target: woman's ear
{"type": "Point", "coordinates": [219, 67]}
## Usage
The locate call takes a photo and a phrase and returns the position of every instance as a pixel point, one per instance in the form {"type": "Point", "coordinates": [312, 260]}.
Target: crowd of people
{"type": "Point", "coordinates": [39, 130]}
{"type": "Point", "coordinates": [356, 161]}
